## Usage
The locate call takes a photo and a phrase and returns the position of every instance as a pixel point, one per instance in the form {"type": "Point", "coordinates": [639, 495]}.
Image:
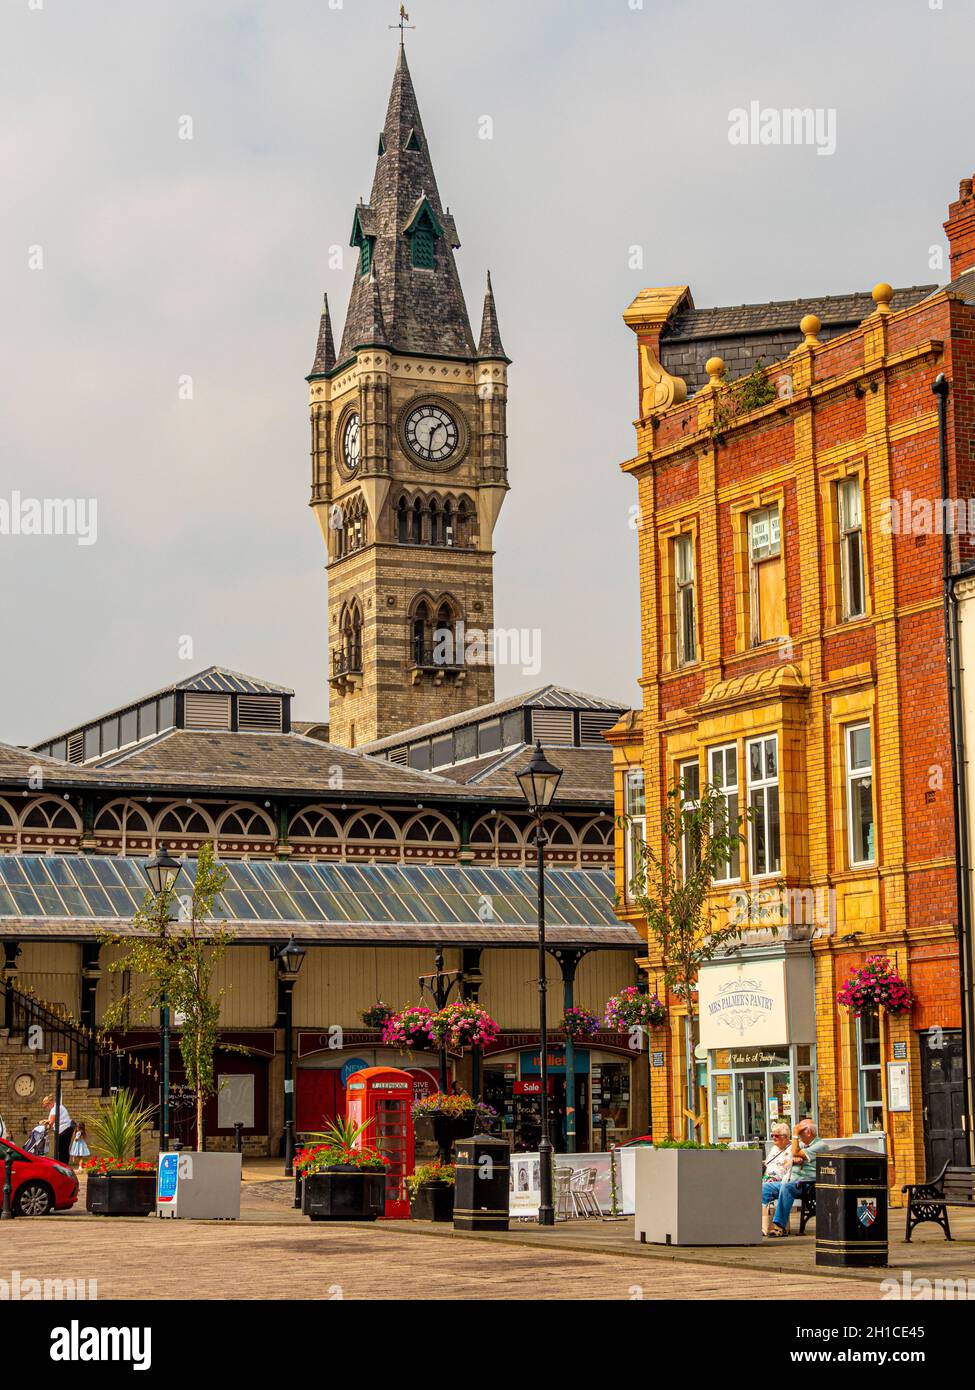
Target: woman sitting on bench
{"type": "Point", "coordinates": [777, 1169]}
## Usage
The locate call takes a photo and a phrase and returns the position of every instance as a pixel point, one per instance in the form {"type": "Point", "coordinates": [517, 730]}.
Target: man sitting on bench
{"type": "Point", "coordinates": [804, 1146]}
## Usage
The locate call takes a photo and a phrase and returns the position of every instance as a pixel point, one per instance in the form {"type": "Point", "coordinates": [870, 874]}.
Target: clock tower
{"type": "Point", "coordinates": [409, 456]}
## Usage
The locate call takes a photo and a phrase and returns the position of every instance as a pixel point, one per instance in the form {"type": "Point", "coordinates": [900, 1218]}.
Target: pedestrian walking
{"type": "Point", "coordinates": [61, 1145]}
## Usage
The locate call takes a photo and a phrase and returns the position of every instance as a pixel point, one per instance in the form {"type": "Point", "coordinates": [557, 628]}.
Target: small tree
{"type": "Point", "coordinates": [172, 961]}
{"type": "Point", "coordinates": [673, 886]}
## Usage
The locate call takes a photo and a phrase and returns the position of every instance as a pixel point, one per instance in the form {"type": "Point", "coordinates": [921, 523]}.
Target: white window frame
{"type": "Point", "coordinates": [873, 1107]}
{"type": "Point", "coordinates": [763, 784]}
{"type": "Point", "coordinates": [850, 534]}
{"type": "Point", "coordinates": [688, 802]}
{"type": "Point", "coordinates": [853, 775]}
{"type": "Point", "coordinates": [685, 590]}
{"type": "Point", "coordinates": [722, 750]}
{"type": "Point", "coordinates": [637, 825]}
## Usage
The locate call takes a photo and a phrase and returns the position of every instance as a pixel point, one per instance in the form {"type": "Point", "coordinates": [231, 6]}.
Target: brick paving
{"type": "Point", "coordinates": [284, 1258]}
{"type": "Point", "coordinates": [274, 1252]}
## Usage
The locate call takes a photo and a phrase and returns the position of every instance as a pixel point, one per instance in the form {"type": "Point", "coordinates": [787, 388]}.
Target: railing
{"type": "Point", "coordinates": [347, 661]}
{"type": "Point", "coordinates": [91, 1056]}
{"type": "Point", "coordinates": [429, 658]}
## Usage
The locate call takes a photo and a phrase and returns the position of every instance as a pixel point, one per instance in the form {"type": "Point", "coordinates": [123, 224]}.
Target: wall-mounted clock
{"type": "Point", "coordinates": [24, 1086]}
{"type": "Point", "coordinates": [351, 442]}
{"type": "Point", "coordinates": [432, 433]}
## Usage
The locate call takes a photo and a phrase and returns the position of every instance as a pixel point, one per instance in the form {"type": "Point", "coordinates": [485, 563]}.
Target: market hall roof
{"type": "Point", "coordinates": [78, 898]}
{"type": "Point", "coordinates": [271, 762]}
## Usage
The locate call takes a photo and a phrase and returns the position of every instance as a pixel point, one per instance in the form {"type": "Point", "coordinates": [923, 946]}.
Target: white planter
{"type": "Point", "coordinates": [205, 1186]}
{"type": "Point", "coordinates": [698, 1196]}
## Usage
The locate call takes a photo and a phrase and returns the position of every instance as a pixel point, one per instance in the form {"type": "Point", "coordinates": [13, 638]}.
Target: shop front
{"type": "Point", "coordinates": [323, 1069]}
{"type": "Point", "coordinates": [603, 1097]}
{"type": "Point", "coordinates": [758, 1039]}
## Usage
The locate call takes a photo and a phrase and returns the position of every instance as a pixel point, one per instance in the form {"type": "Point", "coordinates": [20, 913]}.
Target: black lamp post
{"type": "Point", "coordinates": [290, 959]}
{"type": "Point", "coordinates": [538, 783]}
{"type": "Point", "coordinates": [162, 871]}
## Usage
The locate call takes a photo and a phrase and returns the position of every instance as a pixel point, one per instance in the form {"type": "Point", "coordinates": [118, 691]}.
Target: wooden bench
{"type": "Point", "coordinates": [929, 1201]}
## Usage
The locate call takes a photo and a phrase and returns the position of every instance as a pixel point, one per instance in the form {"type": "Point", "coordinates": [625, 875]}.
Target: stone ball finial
{"type": "Point", "coordinates": [809, 327]}
{"type": "Point", "coordinates": [715, 369]}
{"type": "Point", "coordinates": [882, 295]}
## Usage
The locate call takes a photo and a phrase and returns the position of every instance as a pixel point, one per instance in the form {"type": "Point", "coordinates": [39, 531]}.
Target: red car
{"type": "Point", "coordinates": [38, 1185]}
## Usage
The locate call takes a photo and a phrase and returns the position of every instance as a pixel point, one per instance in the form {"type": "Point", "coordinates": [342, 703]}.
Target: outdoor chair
{"type": "Point", "coordinates": [583, 1190]}
{"type": "Point", "coordinates": [564, 1202]}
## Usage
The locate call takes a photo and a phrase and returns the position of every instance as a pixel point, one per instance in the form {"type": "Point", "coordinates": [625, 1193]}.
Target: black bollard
{"type": "Point", "coordinates": [238, 1137]}
{"type": "Point", "coordinates": [8, 1172]}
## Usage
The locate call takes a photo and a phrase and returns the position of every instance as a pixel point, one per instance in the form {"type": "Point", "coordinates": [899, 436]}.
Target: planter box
{"type": "Point", "coordinates": [120, 1194]}
{"type": "Point", "coordinates": [698, 1196]}
{"type": "Point", "coordinates": [434, 1201]}
{"type": "Point", "coordinates": [343, 1194]}
{"type": "Point", "coordinates": [205, 1186]}
{"type": "Point", "coordinates": [444, 1130]}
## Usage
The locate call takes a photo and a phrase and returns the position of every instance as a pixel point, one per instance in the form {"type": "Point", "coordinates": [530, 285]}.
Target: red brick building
{"type": "Point", "coordinates": [793, 602]}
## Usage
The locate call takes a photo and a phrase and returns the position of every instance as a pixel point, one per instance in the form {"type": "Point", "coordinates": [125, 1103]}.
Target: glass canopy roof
{"type": "Point", "coordinates": [106, 889]}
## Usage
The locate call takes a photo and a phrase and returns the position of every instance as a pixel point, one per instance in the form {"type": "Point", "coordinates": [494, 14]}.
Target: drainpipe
{"type": "Point", "coordinates": [941, 388]}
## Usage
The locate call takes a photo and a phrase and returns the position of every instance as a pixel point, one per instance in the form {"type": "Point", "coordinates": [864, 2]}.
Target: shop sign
{"type": "Point", "coordinates": [759, 1058]}
{"type": "Point", "coordinates": [656, 1059]}
{"type": "Point", "coordinates": [748, 1002]}
{"type": "Point", "coordinates": [898, 1086]}
{"type": "Point", "coordinates": [533, 1087]}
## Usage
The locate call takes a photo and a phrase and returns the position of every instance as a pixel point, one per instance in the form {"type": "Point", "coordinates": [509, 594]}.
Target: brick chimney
{"type": "Point", "coordinates": [960, 230]}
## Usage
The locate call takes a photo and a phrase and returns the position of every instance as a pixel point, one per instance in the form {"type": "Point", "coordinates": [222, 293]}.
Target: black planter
{"type": "Point", "coordinates": [434, 1201]}
{"type": "Point", "coordinates": [343, 1194]}
{"type": "Point", "coordinates": [121, 1194]}
{"type": "Point", "coordinates": [445, 1130]}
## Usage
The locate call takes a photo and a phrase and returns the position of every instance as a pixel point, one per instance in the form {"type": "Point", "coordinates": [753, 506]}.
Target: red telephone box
{"type": "Point", "coordinates": [384, 1096]}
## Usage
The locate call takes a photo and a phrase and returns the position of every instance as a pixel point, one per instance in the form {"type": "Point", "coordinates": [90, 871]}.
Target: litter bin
{"type": "Point", "coordinates": [851, 1208]}
{"type": "Point", "coordinates": [483, 1164]}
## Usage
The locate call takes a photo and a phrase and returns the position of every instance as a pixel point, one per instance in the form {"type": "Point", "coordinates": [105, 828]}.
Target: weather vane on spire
{"type": "Point", "coordinates": [403, 25]}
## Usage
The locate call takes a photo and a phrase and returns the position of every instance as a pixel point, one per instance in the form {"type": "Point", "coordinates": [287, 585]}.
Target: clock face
{"type": "Point", "coordinates": [350, 443]}
{"type": "Point", "coordinates": [431, 433]}
{"type": "Point", "coordinates": [25, 1086]}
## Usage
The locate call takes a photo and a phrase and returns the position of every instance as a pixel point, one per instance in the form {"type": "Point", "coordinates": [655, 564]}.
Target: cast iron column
{"type": "Point", "coordinates": [546, 1210]}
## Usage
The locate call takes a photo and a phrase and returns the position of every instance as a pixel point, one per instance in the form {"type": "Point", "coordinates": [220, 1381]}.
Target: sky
{"type": "Point", "coordinates": [159, 294]}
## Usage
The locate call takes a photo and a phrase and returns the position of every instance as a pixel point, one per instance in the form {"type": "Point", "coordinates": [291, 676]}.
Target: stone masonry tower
{"type": "Point", "coordinates": [409, 456]}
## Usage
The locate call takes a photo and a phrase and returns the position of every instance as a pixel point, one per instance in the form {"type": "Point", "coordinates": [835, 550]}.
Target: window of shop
{"type": "Point", "coordinates": [869, 1084]}
{"type": "Point", "coordinates": [763, 799]}
{"type": "Point", "coordinates": [723, 775]}
{"type": "Point", "coordinates": [851, 548]}
{"type": "Point", "coordinates": [684, 600]}
{"type": "Point", "coordinates": [754, 1088]}
{"type": "Point", "coordinates": [689, 778]}
{"type": "Point", "coordinates": [859, 794]}
{"type": "Point", "coordinates": [635, 807]}
{"type": "Point", "coordinates": [610, 1102]}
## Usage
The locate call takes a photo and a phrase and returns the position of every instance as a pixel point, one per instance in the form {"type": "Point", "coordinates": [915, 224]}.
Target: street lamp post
{"type": "Point", "coordinates": [290, 959]}
{"type": "Point", "coordinates": [162, 871]}
{"type": "Point", "coordinates": [538, 783]}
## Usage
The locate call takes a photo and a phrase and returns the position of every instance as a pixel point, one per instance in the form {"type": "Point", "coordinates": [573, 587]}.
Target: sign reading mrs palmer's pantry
{"type": "Point", "coordinates": [755, 1001]}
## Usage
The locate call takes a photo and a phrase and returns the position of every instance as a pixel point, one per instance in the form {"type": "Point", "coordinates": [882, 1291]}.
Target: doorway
{"type": "Point", "coordinates": [943, 1094]}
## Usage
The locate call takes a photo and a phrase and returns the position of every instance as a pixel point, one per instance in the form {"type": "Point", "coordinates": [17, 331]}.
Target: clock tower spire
{"type": "Point", "coordinates": [409, 455]}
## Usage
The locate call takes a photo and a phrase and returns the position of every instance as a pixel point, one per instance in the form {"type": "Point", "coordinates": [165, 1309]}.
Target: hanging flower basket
{"type": "Point", "coordinates": [377, 1015]}
{"type": "Point", "coordinates": [463, 1025]}
{"type": "Point", "coordinates": [875, 984]}
{"type": "Point", "coordinates": [631, 1009]}
{"type": "Point", "coordinates": [580, 1023]}
{"type": "Point", "coordinates": [409, 1030]}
